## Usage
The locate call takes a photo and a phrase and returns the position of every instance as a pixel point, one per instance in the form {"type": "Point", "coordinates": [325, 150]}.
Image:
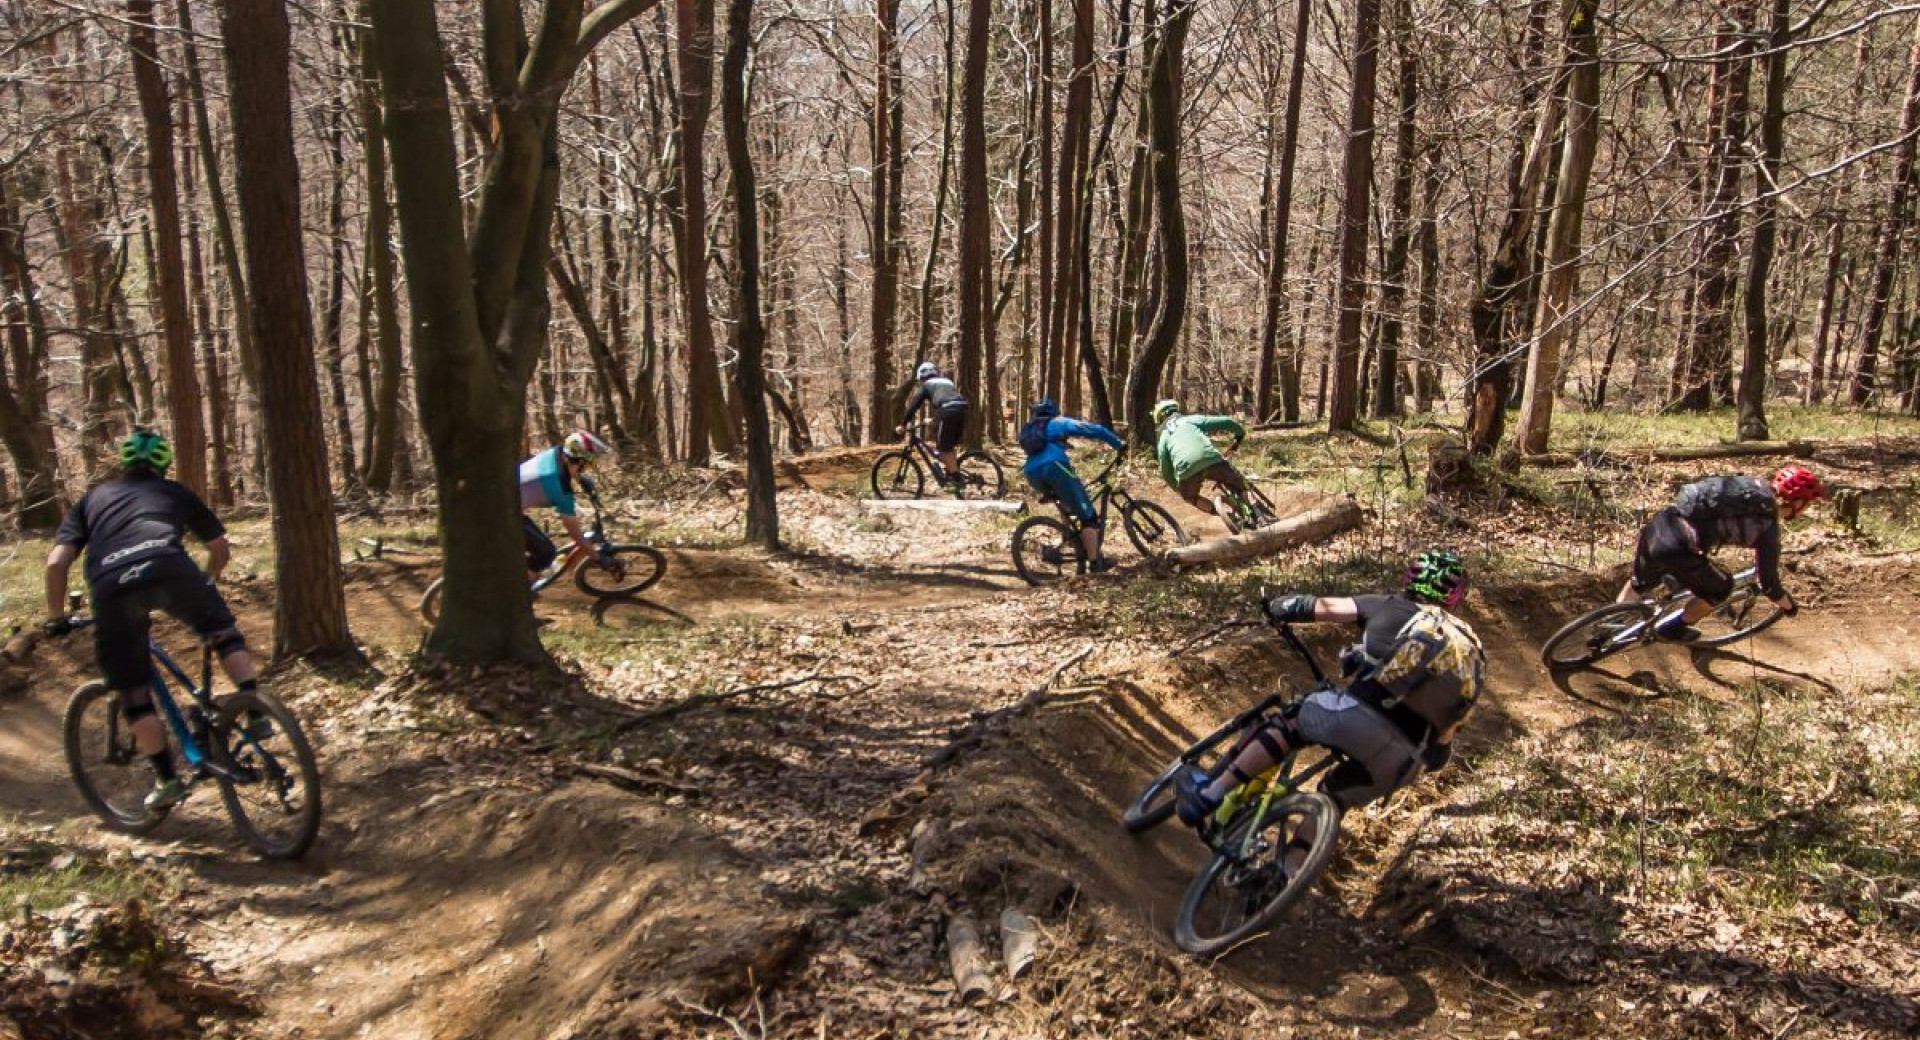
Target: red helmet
{"type": "Point", "coordinates": [1797, 486]}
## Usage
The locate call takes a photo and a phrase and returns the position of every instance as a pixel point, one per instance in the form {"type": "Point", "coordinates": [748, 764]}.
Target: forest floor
{"type": "Point", "coordinates": [748, 805]}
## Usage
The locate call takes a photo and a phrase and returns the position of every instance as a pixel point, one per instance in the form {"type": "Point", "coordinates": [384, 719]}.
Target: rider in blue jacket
{"type": "Point", "coordinates": [1044, 439]}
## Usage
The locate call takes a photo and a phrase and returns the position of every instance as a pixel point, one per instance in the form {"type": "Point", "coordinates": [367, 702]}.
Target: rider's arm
{"type": "Point", "coordinates": [1301, 608]}
{"type": "Point", "coordinates": [219, 554]}
{"type": "Point", "coordinates": [1227, 424]}
{"type": "Point", "coordinates": [59, 561]}
{"type": "Point", "coordinates": [914, 401]}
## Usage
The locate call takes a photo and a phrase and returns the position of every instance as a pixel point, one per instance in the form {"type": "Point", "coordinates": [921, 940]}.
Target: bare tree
{"type": "Point", "coordinates": [1356, 197]}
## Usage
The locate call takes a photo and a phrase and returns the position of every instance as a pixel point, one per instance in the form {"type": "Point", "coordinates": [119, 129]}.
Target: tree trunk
{"type": "Point", "coordinates": [707, 410]}
{"type": "Point", "coordinates": [1708, 377]}
{"type": "Point", "coordinates": [1393, 273]}
{"type": "Point", "coordinates": [1823, 323]}
{"type": "Point", "coordinates": [763, 518]}
{"type": "Point", "coordinates": [1755, 360]}
{"type": "Point", "coordinates": [310, 609]}
{"type": "Point", "coordinates": [220, 475]}
{"type": "Point", "coordinates": [1887, 257]}
{"type": "Point", "coordinates": [1163, 103]}
{"type": "Point", "coordinates": [379, 269]}
{"type": "Point", "coordinates": [25, 424]}
{"type": "Point", "coordinates": [332, 319]}
{"type": "Point", "coordinates": [1562, 273]}
{"type": "Point", "coordinates": [889, 171]}
{"type": "Point", "coordinates": [1273, 319]}
{"type": "Point", "coordinates": [183, 384]}
{"type": "Point", "coordinates": [1356, 198]}
{"type": "Point", "coordinates": [976, 217]}
{"type": "Point", "coordinates": [1426, 371]}
{"type": "Point", "coordinates": [925, 341]}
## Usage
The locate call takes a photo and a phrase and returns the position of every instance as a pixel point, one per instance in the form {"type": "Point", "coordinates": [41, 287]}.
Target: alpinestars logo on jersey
{"type": "Point", "coordinates": [134, 571]}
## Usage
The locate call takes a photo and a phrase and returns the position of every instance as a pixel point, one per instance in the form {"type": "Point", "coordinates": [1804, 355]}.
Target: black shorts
{"type": "Point", "coordinates": [125, 598]}
{"type": "Point", "coordinates": [949, 426]}
{"type": "Point", "coordinates": [1667, 549]}
{"type": "Point", "coordinates": [540, 549]}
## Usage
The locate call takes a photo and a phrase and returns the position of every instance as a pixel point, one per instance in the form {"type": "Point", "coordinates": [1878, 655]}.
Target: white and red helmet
{"type": "Point", "coordinates": [585, 446]}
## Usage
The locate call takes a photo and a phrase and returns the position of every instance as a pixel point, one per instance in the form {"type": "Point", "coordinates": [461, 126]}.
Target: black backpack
{"type": "Point", "coordinates": [1033, 436]}
{"type": "Point", "coordinates": [1726, 498]}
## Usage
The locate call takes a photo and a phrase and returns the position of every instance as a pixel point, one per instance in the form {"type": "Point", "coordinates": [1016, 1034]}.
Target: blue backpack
{"type": "Point", "coordinates": [1033, 436]}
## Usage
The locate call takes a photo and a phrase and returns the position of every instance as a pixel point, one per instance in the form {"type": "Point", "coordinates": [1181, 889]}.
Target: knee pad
{"type": "Point", "coordinates": [227, 641]}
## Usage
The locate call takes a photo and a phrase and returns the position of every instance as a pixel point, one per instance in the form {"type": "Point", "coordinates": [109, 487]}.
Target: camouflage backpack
{"type": "Point", "coordinates": [1434, 668]}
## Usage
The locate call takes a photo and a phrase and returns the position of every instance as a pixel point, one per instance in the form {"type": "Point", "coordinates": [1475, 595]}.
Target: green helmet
{"type": "Point", "coordinates": [1163, 409]}
{"type": "Point", "coordinates": [1437, 576]}
{"type": "Point", "coordinates": [146, 448]}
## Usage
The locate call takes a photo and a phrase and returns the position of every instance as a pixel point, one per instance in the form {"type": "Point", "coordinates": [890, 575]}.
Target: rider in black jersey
{"type": "Point", "coordinates": [948, 406]}
{"type": "Point", "coordinates": [131, 528]}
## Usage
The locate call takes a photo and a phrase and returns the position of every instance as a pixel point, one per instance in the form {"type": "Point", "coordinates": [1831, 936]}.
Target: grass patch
{"type": "Point", "coordinates": [44, 878]}
{"type": "Point", "coordinates": [1576, 430]}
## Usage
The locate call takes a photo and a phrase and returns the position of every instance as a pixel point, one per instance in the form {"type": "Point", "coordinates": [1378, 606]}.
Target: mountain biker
{"type": "Point", "coordinates": [949, 409]}
{"type": "Point", "coordinates": [1714, 512]}
{"type": "Point", "coordinates": [1049, 470]}
{"type": "Point", "coordinates": [1388, 741]}
{"type": "Point", "coordinates": [546, 480]}
{"type": "Point", "coordinates": [131, 526]}
{"type": "Point", "coordinates": [1188, 457]}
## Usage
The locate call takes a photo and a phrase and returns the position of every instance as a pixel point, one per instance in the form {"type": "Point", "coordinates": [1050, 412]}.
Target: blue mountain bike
{"type": "Point", "coordinates": [247, 742]}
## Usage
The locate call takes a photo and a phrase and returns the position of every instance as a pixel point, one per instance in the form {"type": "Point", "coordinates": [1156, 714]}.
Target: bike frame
{"type": "Point", "coordinates": [202, 694]}
{"type": "Point", "coordinates": [596, 533]}
{"type": "Point", "coordinates": [1674, 602]}
{"type": "Point", "coordinates": [1279, 780]}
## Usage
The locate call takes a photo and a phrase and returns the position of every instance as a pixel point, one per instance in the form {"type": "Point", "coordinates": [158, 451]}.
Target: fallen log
{"type": "Point", "coordinates": [1299, 529]}
{"type": "Point", "coordinates": [1655, 453]}
{"type": "Point", "coordinates": [947, 506]}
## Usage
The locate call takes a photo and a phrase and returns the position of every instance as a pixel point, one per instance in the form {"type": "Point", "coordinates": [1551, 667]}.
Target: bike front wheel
{"type": "Point", "coordinates": [1596, 634]}
{"type": "Point", "coordinates": [980, 476]}
{"type": "Point", "coordinates": [430, 601]}
{"type": "Point", "coordinates": [898, 475]}
{"type": "Point", "coordinates": [1045, 550]}
{"type": "Point", "coordinates": [111, 773]}
{"type": "Point", "coordinates": [1151, 529]}
{"type": "Point", "coordinates": [273, 795]}
{"type": "Point", "coordinates": [632, 570]}
{"type": "Point", "coordinates": [1246, 886]}
{"type": "Point", "coordinates": [1740, 615]}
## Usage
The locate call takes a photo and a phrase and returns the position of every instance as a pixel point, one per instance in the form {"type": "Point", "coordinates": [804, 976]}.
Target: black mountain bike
{"type": "Point", "coordinates": [614, 570]}
{"type": "Point", "coordinates": [902, 472]}
{"type": "Point", "coordinates": [1046, 549]}
{"type": "Point", "coordinates": [1245, 886]}
{"type": "Point", "coordinates": [248, 743]}
{"type": "Point", "coordinates": [1617, 627]}
{"type": "Point", "coordinates": [1246, 510]}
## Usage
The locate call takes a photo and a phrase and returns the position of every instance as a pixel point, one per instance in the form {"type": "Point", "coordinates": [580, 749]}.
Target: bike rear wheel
{"type": "Point", "coordinates": [1596, 634]}
{"type": "Point", "coordinates": [1259, 507]}
{"type": "Point", "coordinates": [1045, 550]}
{"type": "Point", "coordinates": [1742, 614]}
{"type": "Point", "coordinates": [980, 476]}
{"type": "Point", "coordinates": [111, 773]}
{"type": "Point", "coordinates": [635, 569]}
{"type": "Point", "coordinates": [897, 474]}
{"type": "Point", "coordinates": [1151, 529]}
{"type": "Point", "coordinates": [274, 798]}
{"type": "Point", "coordinates": [1236, 897]}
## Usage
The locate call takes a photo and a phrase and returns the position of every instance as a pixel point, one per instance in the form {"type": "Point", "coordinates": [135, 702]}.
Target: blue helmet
{"type": "Point", "coordinates": [1044, 408]}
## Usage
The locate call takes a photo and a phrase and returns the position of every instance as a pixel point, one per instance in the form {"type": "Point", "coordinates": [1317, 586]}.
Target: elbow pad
{"type": "Point", "coordinates": [1297, 607]}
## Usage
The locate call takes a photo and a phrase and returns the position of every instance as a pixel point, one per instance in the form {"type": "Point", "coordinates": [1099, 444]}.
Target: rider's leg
{"type": "Point", "coordinates": [1189, 490]}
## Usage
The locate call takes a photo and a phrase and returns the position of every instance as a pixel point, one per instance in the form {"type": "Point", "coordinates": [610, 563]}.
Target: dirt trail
{"type": "Point", "coordinates": [465, 889]}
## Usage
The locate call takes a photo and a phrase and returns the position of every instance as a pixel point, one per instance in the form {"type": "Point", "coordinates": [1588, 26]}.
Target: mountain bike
{"type": "Point", "coordinates": [902, 472]}
{"type": "Point", "coordinates": [1245, 885]}
{"type": "Point", "coordinates": [1246, 511]}
{"type": "Point", "coordinates": [614, 570]}
{"type": "Point", "coordinates": [1616, 627]}
{"type": "Point", "coordinates": [1046, 549]}
{"type": "Point", "coordinates": [267, 776]}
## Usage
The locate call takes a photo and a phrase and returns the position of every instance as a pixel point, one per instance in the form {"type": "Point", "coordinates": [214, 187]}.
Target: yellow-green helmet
{"type": "Point", "coordinates": [146, 448]}
{"type": "Point", "coordinates": [1163, 409]}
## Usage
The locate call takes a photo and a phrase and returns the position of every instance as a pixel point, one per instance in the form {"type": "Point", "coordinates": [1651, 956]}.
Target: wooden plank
{"type": "Point", "coordinates": [1299, 529]}
{"type": "Point", "coordinates": [945, 506]}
